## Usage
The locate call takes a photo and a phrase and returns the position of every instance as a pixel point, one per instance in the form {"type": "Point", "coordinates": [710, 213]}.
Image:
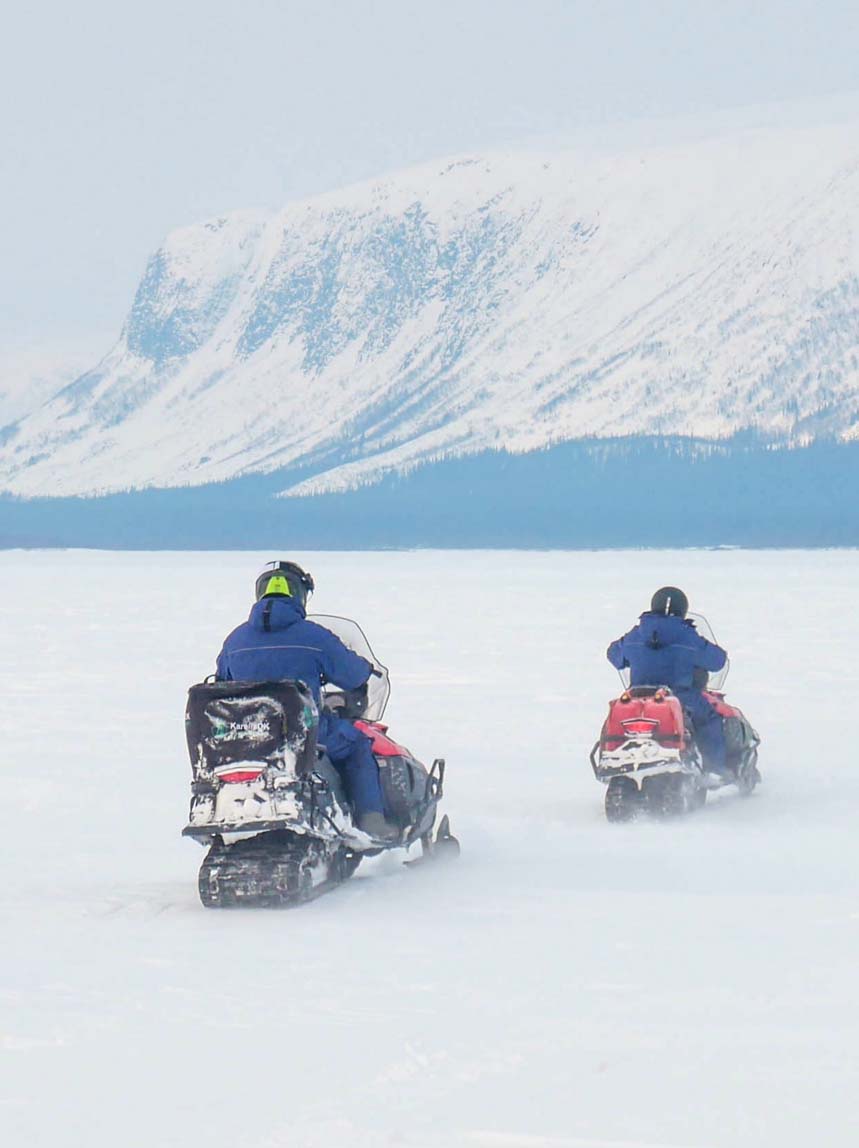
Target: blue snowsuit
{"type": "Point", "coordinates": [278, 642]}
{"type": "Point", "coordinates": [664, 650]}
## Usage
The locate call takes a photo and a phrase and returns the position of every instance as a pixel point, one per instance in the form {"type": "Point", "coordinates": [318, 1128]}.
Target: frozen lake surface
{"type": "Point", "coordinates": [566, 983]}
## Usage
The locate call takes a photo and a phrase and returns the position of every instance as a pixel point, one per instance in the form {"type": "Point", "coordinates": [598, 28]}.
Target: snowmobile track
{"type": "Point", "coordinates": [272, 870]}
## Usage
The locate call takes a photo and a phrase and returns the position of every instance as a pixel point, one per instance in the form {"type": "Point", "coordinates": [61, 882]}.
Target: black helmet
{"type": "Point", "coordinates": [669, 600]}
{"type": "Point", "coordinates": [285, 578]}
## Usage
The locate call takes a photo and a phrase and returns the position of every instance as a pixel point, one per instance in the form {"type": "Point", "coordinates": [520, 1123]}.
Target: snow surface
{"type": "Point", "coordinates": [565, 983]}
{"type": "Point", "coordinates": [513, 299]}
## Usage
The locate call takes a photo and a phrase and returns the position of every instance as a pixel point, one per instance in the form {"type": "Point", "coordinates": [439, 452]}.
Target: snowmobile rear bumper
{"type": "Point", "coordinates": [207, 833]}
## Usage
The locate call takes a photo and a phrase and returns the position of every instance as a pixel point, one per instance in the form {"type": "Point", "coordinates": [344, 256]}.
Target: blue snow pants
{"type": "Point", "coordinates": [352, 753]}
{"type": "Point", "coordinates": [707, 727]}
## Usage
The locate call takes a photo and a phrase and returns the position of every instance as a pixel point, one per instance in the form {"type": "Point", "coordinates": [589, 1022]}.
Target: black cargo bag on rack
{"type": "Point", "coordinates": [237, 722]}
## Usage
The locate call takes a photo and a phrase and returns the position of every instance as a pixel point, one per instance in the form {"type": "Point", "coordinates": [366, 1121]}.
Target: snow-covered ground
{"type": "Point", "coordinates": [566, 983]}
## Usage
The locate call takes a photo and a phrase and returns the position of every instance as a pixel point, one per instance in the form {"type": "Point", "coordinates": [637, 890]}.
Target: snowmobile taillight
{"type": "Point", "coordinates": [231, 774]}
{"type": "Point", "coordinates": [640, 727]}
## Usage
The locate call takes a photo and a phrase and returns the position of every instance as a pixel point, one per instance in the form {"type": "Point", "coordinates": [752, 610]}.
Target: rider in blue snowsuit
{"type": "Point", "coordinates": [278, 642]}
{"type": "Point", "coordinates": [665, 649]}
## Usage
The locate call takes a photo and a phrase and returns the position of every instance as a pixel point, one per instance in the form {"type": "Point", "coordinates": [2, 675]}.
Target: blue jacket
{"type": "Point", "coordinates": [664, 650]}
{"type": "Point", "coordinates": [278, 642]}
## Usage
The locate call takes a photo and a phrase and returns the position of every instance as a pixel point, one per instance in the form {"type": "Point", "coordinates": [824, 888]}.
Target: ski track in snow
{"type": "Point", "coordinates": [566, 984]}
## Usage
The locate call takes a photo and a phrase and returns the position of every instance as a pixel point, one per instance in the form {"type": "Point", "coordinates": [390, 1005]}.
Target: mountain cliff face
{"type": "Point", "coordinates": [518, 300]}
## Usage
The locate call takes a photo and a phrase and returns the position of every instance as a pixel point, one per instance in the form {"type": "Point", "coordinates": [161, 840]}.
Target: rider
{"type": "Point", "coordinates": [665, 649]}
{"type": "Point", "coordinates": [278, 642]}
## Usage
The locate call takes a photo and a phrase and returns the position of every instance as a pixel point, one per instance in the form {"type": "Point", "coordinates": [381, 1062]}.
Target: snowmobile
{"type": "Point", "coordinates": [270, 805]}
{"type": "Point", "coordinates": [647, 755]}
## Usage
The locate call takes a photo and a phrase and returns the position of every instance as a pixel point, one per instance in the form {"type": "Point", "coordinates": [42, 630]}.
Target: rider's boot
{"type": "Point", "coordinates": [375, 824]}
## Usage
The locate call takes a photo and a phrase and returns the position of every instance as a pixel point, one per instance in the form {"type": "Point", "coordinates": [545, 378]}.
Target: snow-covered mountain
{"type": "Point", "coordinates": [29, 376]}
{"type": "Point", "coordinates": [495, 300]}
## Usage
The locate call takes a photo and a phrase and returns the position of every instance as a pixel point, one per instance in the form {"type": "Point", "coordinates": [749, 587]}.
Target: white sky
{"type": "Point", "coordinates": [120, 121]}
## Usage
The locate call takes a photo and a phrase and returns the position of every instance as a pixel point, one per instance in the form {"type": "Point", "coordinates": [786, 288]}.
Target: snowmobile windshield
{"type": "Point", "coordinates": [351, 635]}
{"type": "Point", "coordinates": [712, 680]}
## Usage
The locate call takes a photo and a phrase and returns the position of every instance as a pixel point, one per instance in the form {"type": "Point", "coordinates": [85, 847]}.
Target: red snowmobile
{"type": "Point", "coordinates": [647, 755]}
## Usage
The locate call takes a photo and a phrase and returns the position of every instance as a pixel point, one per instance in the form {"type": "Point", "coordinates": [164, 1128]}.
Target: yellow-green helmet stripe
{"type": "Point", "coordinates": [277, 584]}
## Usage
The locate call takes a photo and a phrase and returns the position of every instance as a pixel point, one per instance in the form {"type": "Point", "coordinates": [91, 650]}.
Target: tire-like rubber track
{"type": "Point", "coordinates": [272, 870]}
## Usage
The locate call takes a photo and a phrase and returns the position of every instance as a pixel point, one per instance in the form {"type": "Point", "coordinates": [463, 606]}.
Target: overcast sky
{"type": "Point", "coordinates": [120, 121]}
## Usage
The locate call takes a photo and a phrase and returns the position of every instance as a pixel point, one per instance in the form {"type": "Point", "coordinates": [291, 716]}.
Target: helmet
{"type": "Point", "coordinates": [286, 578]}
{"type": "Point", "coordinates": [669, 600]}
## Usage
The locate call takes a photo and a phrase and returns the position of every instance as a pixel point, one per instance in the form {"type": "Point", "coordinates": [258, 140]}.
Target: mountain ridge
{"type": "Point", "coordinates": [517, 300]}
